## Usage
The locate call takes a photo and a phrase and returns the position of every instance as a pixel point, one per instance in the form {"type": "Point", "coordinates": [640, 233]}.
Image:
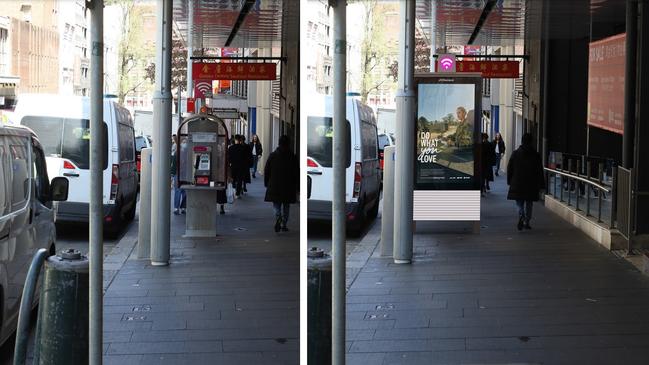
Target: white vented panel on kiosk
{"type": "Point", "coordinates": [446, 205]}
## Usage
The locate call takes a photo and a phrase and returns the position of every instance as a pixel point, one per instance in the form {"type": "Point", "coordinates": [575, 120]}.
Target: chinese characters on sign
{"type": "Point", "coordinates": [490, 69]}
{"type": "Point", "coordinates": [234, 71]}
{"type": "Point", "coordinates": [606, 67]}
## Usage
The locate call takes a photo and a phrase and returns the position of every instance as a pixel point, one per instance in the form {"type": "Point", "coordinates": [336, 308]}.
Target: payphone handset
{"type": "Point", "coordinates": [202, 165]}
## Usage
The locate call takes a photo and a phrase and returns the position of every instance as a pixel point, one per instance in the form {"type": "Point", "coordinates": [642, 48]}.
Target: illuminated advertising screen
{"type": "Point", "coordinates": [606, 68]}
{"type": "Point", "coordinates": [447, 132]}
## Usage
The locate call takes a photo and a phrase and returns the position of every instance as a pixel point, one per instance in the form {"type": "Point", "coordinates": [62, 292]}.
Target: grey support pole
{"type": "Point", "coordinates": [433, 41]}
{"type": "Point", "coordinates": [339, 158]}
{"type": "Point", "coordinates": [161, 192]}
{"type": "Point", "coordinates": [404, 168]}
{"type": "Point", "coordinates": [144, 222]}
{"type": "Point", "coordinates": [190, 48]}
{"type": "Point", "coordinates": [96, 244]}
{"type": "Point", "coordinates": [387, 215]}
{"type": "Point", "coordinates": [630, 83]}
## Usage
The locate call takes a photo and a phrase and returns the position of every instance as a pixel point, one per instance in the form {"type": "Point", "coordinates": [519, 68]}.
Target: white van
{"type": "Point", "coordinates": [63, 124]}
{"type": "Point", "coordinates": [26, 215]}
{"type": "Point", "coordinates": [362, 167]}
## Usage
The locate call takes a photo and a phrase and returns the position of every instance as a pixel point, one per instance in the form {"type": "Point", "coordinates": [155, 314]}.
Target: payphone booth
{"type": "Point", "coordinates": [202, 170]}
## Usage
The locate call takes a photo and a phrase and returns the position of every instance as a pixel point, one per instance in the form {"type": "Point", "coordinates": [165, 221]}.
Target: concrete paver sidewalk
{"type": "Point", "coordinates": [546, 296]}
{"type": "Point", "coordinates": [233, 299]}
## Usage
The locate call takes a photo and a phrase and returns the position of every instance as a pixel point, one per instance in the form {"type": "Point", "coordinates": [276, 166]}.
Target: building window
{"type": "Point", "coordinates": [4, 57]}
{"type": "Point", "coordinates": [486, 87]}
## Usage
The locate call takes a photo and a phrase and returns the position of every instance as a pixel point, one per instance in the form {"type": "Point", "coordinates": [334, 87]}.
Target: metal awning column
{"type": "Point", "coordinates": [162, 105]}
{"type": "Point", "coordinates": [404, 168]}
{"type": "Point", "coordinates": [628, 136]}
{"type": "Point", "coordinates": [96, 220]}
{"type": "Point", "coordinates": [190, 48]}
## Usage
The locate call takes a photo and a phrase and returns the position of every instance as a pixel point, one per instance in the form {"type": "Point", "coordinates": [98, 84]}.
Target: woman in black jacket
{"type": "Point", "coordinates": [525, 179]}
{"type": "Point", "coordinates": [499, 145]}
{"type": "Point", "coordinates": [281, 178]}
{"type": "Point", "coordinates": [255, 145]}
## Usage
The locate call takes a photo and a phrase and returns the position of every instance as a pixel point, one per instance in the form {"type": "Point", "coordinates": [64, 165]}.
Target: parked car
{"type": "Point", "coordinates": [64, 126]}
{"type": "Point", "coordinates": [362, 165]}
{"type": "Point", "coordinates": [26, 215]}
{"type": "Point", "coordinates": [384, 141]}
{"type": "Point", "coordinates": [140, 143]}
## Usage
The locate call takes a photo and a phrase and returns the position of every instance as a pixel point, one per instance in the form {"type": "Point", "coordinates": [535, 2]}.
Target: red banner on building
{"type": "Point", "coordinates": [234, 71]}
{"type": "Point", "coordinates": [489, 69]}
{"type": "Point", "coordinates": [606, 68]}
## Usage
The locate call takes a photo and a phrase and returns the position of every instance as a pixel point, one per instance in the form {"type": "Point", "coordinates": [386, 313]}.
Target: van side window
{"type": "Point", "coordinates": [370, 141]}
{"type": "Point", "coordinates": [20, 167]}
{"type": "Point", "coordinates": [5, 179]}
{"type": "Point", "coordinates": [126, 144]}
{"type": "Point", "coordinates": [41, 181]}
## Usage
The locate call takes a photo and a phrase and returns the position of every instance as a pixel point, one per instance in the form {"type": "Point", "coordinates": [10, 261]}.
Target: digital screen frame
{"type": "Point", "coordinates": [447, 131]}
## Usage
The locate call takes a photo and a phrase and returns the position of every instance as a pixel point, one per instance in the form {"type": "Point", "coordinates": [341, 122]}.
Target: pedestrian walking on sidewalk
{"type": "Point", "coordinates": [281, 179]}
{"type": "Point", "coordinates": [180, 196]}
{"type": "Point", "coordinates": [499, 146]}
{"type": "Point", "coordinates": [221, 199]}
{"type": "Point", "coordinates": [246, 173]}
{"type": "Point", "coordinates": [256, 154]}
{"type": "Point", "coordinates": [525, 179]}
{"type": "Point", "coordinates": [238, 159]}
{"type": "Point", "coordinates": [487, 162]}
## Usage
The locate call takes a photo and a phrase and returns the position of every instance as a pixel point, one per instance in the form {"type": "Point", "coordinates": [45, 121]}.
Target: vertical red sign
{"type": "Point", "coordinates": [606, 67]}
{"type": "Point", "coordinates": [191, 105]}
{"type": "Point", "coordinates": [202, 89]}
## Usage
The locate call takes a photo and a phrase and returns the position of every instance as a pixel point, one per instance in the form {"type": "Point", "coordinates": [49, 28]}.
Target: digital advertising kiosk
{"type": "Point", "coordinates": [447, 147]}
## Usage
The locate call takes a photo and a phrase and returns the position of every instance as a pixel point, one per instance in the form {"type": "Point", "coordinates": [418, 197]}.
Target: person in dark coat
{"type": "Point", "coordinates": [525, 179]}
{"type": "Point", "coordinates": [281, 179]}
{"type": "Point", "coordinates": [487, 162]}
{"type": "Point", "coordinates": [499, 146]}
{"type": "Point", "coordinates": [221, 199]}
{"type": "Point", "coordinates": [238, 159]}
{"type": "Point", "coordinates": [246, 174]}
{"type": "Point", "coordinates": [255, 145]}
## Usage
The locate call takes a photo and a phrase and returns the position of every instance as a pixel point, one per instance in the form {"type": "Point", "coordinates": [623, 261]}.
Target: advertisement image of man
{"type": "Point", "coordinates": [464, 131]}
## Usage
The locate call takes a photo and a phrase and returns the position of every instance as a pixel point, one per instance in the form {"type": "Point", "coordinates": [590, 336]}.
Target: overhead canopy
{"type": "Point", "coordinates": [236, 23]}
{"type": "Point", "coordinates": [502, 22]}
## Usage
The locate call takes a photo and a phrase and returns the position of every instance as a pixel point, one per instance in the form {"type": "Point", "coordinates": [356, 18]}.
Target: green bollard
{"type": "Point", "coordinates": [62, 328]}
{"type": "Point", "coordinates": [319, 308]}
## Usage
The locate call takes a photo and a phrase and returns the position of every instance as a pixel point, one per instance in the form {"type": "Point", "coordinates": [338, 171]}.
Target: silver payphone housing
{"type": "Point", "coordinates": [202, 157]}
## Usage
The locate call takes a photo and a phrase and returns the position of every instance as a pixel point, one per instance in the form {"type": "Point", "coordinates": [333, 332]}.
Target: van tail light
{"type": "Point", "coordinates": [114, 182]}
{"type": "Point", "coordinates": [311, 163]}
{"type": "Point", "coordinates": [68, 165]}
{"type": "Point", "coordinates": [358, 175]}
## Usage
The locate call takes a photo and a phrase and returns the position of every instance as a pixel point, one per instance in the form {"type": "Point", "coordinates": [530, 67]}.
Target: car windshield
{"type": "Point", "coordinates": [140, 143]}
{"type": "Point", "coordinates": [66, 138]}
{"type": "Point", "coordinates": [383, 141]}
{"type": "Point", "coordinates": [320, 140]}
